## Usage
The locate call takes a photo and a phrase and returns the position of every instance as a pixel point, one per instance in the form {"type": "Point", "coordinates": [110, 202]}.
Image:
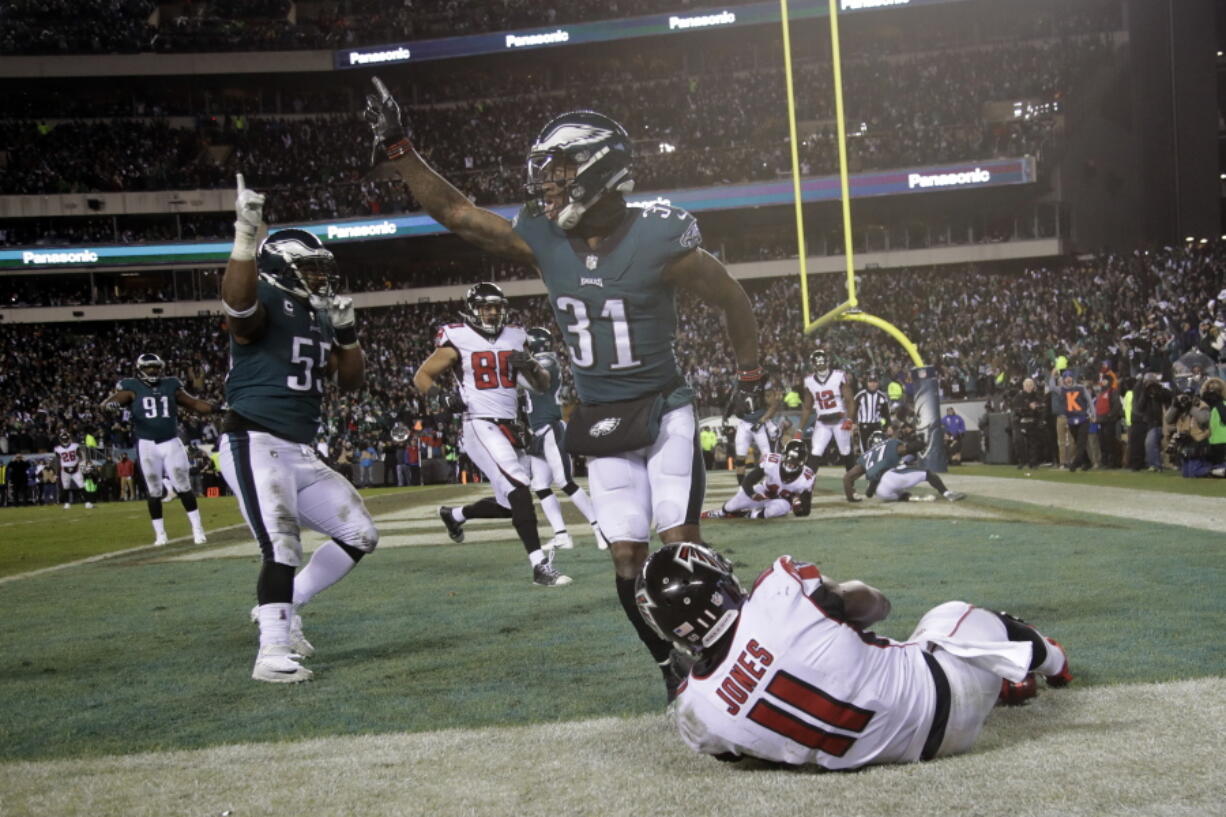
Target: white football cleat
{"type": "Point", "coordinates": [67, 505]}
{"type": "Point", "coordinates": [297, 640]}
{"type": "Point", "coordinates": [278, 664]}
{"type": "Point", "coordinates": [560, 541]}
{"type": "Point", "coordinates": [89, 506]}
{"type": "Point", "coordinates": [199, 538]}
{"type": "Point", "coordinates": [601, 542]}
{"type": "Point", "coordinates": [160, 540]}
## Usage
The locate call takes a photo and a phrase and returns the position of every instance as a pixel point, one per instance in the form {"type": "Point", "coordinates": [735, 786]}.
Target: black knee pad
{"type": "Point", "coordinates": [544, 493]}
{"type": "Point", "coordinates": [276, 584]}
{"type": "Point", "coordinates": [570, 489]}
{"type": "Point", "coordinates": [522, 509]}
{"type": "Point", "coordinates": [350, 550]}
{"type": "Point", "coordinates": [155, 508]}
{"type": "Point", "coordinates": [189, 501]}
{"type": "Point", "coordinates": [1018, 630]}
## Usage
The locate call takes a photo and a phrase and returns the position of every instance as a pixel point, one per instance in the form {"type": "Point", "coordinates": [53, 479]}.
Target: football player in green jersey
{"type": "Point", "coordinates": [890, 473]}
{"type": "Point", "coordinates": [290, 333]}
{"type": "Point", "coordinates": [155, 422]}
{"type": "Point", "coordinates": [612, 271]}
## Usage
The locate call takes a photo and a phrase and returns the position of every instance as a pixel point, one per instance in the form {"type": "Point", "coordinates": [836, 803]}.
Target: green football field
{"type": "Point", "coordinates": [446, 683]}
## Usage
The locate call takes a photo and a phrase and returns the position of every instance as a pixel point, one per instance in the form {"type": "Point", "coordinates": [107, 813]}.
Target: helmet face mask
{"type": "Point", "coordinates": [820, 361]}
{"type": "Point", "coordinates": [485, 308]}
{"type": "Point", "coordinates": [65, 437]}
{"type": "Point", "coordinates": [690, 596]}
{"type": "Point", "coordinates": [793, 461]}
{"type": "Point", "coordinates": [149, 368]}
{"type": "Point", "coordinates": [875, 439]}
{"type": "Point", "coordinates": [298, 262]}
{"type": "Point", "coordinates": [576, 159]}
{"type": "Point", "coordinates": [540, 340]}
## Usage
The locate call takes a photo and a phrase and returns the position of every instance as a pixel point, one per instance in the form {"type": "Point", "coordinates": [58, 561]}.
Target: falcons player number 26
{"type": "Point", "coordinates": [490, 372]}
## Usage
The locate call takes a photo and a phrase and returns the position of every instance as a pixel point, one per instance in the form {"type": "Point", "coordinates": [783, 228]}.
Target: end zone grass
{"type": "Point", "coordinates": [448, 684]}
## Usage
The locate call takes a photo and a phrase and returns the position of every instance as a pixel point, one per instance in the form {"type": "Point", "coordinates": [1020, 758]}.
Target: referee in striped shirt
{"type": "Point", "coordinates": [872, 411]}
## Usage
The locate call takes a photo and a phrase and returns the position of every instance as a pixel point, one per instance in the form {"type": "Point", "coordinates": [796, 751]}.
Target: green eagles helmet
{"type": "Point", "coordinates": [540, 340]}
{"type": "Point", "coordinates": [588, 155]}
{"type": "Point", "coordinates": [297, 261]}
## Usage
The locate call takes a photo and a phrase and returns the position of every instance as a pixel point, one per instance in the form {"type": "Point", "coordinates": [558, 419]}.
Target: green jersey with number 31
{"type": "Point", "coordinates": [277, 380]}
{"type": "Point", "coordinates": [155, 415]}
{"type": "Point", "coordinates": [617, 316]}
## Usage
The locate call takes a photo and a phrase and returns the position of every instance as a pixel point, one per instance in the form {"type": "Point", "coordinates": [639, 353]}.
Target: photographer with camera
{"type": "Point", "coordinates": [1150, 399]}
{"type": "Point", "coordinates": [1196, 420]}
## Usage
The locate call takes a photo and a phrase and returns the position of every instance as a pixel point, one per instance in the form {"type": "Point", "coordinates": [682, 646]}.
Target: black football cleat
{"type": "Point", "coordinates": [454, 529]}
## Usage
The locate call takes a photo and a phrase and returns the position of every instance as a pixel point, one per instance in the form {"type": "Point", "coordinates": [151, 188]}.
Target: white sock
{"type": "Point", "coordinates": [536, 557]}
{"type": "Point", "coordinates": [584, 503]}
{"type": "Point", "coordinates": [1054, 661]}
{"type": "Point", "coordinates": [159, 527]}
{"type": "Point", "coordinates": [457, 513]}
{"type": "Point", "coordinates": [329, 564]}
{"type": "Point", "coordinates": [194, 518]}
{"type": "Point", "coordinates": [274, 623]}
{"type": "Point", "coordinates": [553, 512]}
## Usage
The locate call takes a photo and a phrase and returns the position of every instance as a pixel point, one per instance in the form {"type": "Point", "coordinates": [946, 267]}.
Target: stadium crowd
{"type": "Point", "coordinates": [317, 167]}
{"type": "Point", "coordinates": [74, 26]}
{"type": "Point", "coordinates": [1111, 321]}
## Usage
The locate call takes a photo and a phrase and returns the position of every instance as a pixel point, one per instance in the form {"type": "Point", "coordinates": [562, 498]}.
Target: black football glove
{"type": "Point", "coordinates": [453, 403]}
{"type": "Point", "coordinates": [522, 361]}
{"type": "Point", "coordinates": [386, 123]}
{"type": "Point", "coordinates": [749, 395]}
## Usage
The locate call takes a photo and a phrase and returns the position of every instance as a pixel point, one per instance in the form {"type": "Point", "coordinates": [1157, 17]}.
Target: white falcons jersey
{"type": "Point", "coordinates": [798, 686]}
{"type": "Point", "coordinates": [69, 458]}
{"type": "Point", "coordinates": [487, 382]}
{"type": "Point", "coordinates": [827, 394]}
{"type": "Point", "coordinates": [773, 485]}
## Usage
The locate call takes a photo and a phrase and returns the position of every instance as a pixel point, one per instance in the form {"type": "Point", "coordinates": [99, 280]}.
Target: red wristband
{"type": "Point", "coordinates": [399, 148]}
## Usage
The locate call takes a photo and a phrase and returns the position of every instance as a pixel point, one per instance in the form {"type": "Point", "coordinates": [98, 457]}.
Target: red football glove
{"type": "Point", "coordinates": [847, 424]}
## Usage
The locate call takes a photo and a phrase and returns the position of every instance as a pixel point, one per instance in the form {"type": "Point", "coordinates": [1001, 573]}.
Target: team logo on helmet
{"type": "Point", "coordinates": [539, 340]}
{"type": "Point", "coordinates": [485, 308]}
{"type": "Point", "coordinates": [297, 261]}
{"type": "Point", "coordinates": [794, 456]}
{"type": "Point", "coordinates": [689, 595]}
{"type": "Point", "coordinates": [149, 367]}
{"type": "Point", "coordinates": [586, 154]}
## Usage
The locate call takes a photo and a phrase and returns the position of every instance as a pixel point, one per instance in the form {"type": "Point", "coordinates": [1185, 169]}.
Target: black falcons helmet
{"type": "Point", "coordinates": [298, 262]}
{"type": "Point", "coordinates": [484, 294]}
{"type": "Point", "coordinates": [65, 437]}
{"type": "Point", "coordinates": [794, 456]}
{"type": "Point", "coordinates": [149, 367]}
{"type": "Point", "coordinates": [598, 148]}
{"type": "Point", "coordinates": [820, 360]}
{"type": "Point", "coordinates": [689, 595]}
{"type": "Point", "coordinates": [539, 340]}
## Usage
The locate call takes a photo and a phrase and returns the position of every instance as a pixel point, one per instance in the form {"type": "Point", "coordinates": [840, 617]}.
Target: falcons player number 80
{"type": "Point", "coordinates": [490, 372]}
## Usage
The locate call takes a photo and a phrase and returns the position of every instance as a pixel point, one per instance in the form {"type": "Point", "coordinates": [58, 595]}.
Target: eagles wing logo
{"type": "Point", "coordinates": [605, 427]}
{"type": "Point", "coordinates": [571, 135]}
{"type": "Point", "coordinates": [692, 236]}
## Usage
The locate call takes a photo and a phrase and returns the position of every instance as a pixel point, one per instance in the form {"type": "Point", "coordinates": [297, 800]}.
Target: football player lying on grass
{"type": "Point", "coordinates": [786, 672]}
{"type": "Point", "coordinates": [778, 484]}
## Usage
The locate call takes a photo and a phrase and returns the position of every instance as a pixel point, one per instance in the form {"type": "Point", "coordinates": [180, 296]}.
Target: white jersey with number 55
{"type": "Point", "coordinates": [487, 381]}
{"type": "Point", "coordinates": [799, 686]}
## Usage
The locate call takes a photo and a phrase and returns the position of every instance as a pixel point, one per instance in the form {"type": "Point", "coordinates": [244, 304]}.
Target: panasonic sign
{"type": "Point", "coordinates": [79, 257]}
{"type": "Point", "coordinates": [361, 230]}
{"type": "Point", "coordinates": [724, 18]}
{"type": "Point", "coordinates": [548, 38]}
{"type": "Point", "coordinates": [395, 55]}
{"type": "Point", "coordinates": [976, 176]}
{"type": "Point", "coordinates": [860, 5]}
